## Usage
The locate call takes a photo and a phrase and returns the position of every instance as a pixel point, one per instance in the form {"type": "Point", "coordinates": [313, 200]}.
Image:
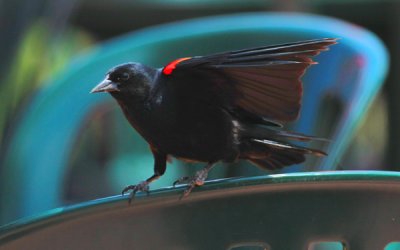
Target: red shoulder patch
{"type": "Point", "coordinates": [167, 70]}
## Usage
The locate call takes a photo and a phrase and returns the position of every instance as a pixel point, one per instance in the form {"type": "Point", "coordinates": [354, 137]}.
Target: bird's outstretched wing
{"type": "Point", "coordinates": [265, 81]}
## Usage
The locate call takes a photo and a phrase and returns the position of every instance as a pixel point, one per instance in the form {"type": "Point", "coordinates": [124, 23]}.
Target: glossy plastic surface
{"type": "Point", "coordinates": [287, 211]}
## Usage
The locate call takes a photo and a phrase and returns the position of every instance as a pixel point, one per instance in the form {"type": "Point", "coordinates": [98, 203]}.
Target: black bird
{"type": "Point", "coordinates": [221, 107]}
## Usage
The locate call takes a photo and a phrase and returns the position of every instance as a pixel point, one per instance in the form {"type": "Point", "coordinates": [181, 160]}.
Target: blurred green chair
{"type": "Point", "coordinates": [343, 210]}
{"type": "Point", "coordinates": [38, 161]}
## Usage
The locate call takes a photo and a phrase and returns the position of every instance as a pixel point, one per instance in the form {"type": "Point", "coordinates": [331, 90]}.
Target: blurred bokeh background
{"type": "Point", "coordinates": [39, 38]}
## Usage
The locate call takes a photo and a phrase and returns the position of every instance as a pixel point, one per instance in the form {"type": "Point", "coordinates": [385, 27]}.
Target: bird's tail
{"type": "Point", "coordinates": [266, 148]}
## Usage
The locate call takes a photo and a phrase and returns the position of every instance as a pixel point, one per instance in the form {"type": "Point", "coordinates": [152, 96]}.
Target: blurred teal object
{"type": "Point", "coordinates": [343, 83]}
{"type": "Point", "coordinates": [352, 210]}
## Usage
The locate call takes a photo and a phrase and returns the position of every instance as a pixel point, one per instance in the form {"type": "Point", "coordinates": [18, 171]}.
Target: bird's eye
{"type": "Point", "coordinates": [123, 76]}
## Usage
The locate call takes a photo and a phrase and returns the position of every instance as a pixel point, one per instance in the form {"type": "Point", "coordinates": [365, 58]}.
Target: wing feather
{"type": "Point", "coordinates": [266, 80]}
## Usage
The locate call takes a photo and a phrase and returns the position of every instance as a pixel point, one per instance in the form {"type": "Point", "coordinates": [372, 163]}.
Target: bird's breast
{"type": "Point", "coordinates": [184, 128]}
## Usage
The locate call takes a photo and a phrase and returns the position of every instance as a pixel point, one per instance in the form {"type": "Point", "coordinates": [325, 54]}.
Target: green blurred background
{"type": "Point", "coordinates": [39, 38]}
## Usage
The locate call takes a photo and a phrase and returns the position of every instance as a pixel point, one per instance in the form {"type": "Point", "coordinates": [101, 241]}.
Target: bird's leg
{"type": "Point", "coordinates": [160, 164]}
{"type": "Point", "coordinates": [197, 180]}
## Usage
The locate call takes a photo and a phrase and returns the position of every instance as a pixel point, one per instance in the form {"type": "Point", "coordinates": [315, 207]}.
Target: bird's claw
{"type": "Point", "coordinates": [197, 180]}
{"type": "Point", "coordinates": [182, 180]}
{"type": "Point", "coordinates": [142, 187]}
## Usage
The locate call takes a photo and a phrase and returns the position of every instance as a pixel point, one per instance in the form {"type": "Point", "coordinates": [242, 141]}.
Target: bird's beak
{"type": "Point", "coordinates": [105, 86]}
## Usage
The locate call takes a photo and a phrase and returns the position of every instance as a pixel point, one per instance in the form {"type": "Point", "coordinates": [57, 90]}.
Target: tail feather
{"type": "Point", "coordinates": [265, 132]}
{"type": "Point", "coordinates": [278, 159]}
{"type": "Point", "coordinates": [290, 147]}
{"type": "Point", "coordinates": [272, 155]}
{"type": "Point", "coordinates": [299, 136]}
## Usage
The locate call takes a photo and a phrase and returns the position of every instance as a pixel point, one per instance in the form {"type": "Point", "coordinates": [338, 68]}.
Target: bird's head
{"type": "Point", "coordinates": [128, 78]}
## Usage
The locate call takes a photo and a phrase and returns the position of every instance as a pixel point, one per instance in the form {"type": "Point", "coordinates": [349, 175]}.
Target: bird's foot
{"type": "Point", "coordinates": [182, 180]}
{"type": "Point", "coordinates": [197, 180]}
{"type": "Point", "coordinates": [141, 186]}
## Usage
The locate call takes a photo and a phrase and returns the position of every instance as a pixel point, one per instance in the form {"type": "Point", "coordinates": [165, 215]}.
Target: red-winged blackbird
{"type": "Point", "coordinates": [221, 107]}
